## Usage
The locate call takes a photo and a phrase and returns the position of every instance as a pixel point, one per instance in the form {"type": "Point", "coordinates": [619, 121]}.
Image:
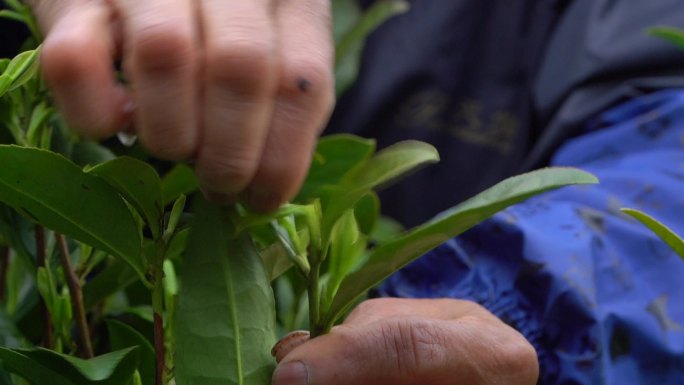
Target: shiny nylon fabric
{"type": "Point", "coordinates": [595, 292]}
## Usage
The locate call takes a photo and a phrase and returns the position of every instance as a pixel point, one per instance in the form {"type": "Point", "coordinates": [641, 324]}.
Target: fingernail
{"type": "Point", "coordinates": [289, 343]}
{"type": "Point", "coordinates": [291, 373]}
{"type": "Point", "coordinates": [262, 200]}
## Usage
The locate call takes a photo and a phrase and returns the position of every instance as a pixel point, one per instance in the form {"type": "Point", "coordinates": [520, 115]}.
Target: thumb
{"type": "Point", "coordinates": [410, 350]}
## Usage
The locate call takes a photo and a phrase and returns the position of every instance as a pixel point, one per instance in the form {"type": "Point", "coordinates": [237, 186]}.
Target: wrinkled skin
{"type": "Point", "coordinates": [412, 342]}
{"type": "Point", "coordinates": [243, 88]}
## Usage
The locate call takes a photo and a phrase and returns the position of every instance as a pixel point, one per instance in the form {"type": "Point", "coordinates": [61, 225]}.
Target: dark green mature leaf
{"type": "Point", "coordinates": [56, 193]}
{"type": "Point", "coordinates": [660, 229]}
{"type": "Point", "coordinates": [180, 180]}
{"type": "Point", "coordinates": [349, 48]}
{"type": "Point", "coordinates": [123, 336]}
{"type": "Point", "coordinates": [139, 183]}
{"type": "Point", "coordinates": [671, 34]}
{"type": "Point", "coordinates": [391, 256]}
{"type": "Point", "coordinates": [335, 156]}
{"type": "Point", "coordinates": [115, 368]}
{"type": "Point", "coordinates": [385, 167]}
{"type": "Point", "coordinates": [225, 325]}
{"type": "Point", "coordinates": [90, 153]}
{"type": "Point", "coordinates": [21, 365]}
{"type": "Point", "coordinates": [115, 277]}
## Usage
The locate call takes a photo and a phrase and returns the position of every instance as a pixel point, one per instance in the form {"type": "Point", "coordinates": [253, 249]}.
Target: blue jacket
{"type": "Point", "coordinates": [597, 294]}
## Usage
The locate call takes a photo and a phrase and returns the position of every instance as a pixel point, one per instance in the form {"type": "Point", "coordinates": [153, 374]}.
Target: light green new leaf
{"type": "Point", "coordinates": [385, 167]}
{"type": "Point", "coordinates": [139, 183]}
{"type": "Point", "coordinates": [115, 368]}
{"type": "Point", "coordinates": [30, 370]}
{"type": "Point", "coordinates": [225, 324]}
{"type": "Point", "coordinates": [335, 156]}
{"type": "Point", "coordinates": [390, 257]}
{"type": "Point", "coordinates": [56, 193]}
{"type": "Point", "coordinates": [665, 233]}
{"type": "Point", "coordinates": [21, 69]}
{"type": "Point", "coordinates": [123, 336]}
{"type": "Point", "coordinates": [671, 34]}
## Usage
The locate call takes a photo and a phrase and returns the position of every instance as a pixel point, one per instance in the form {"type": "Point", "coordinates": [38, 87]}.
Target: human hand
{"type": "Point", "coordinates": [412, 341]}
{"type": "Point", "coordinates": [243, 87]}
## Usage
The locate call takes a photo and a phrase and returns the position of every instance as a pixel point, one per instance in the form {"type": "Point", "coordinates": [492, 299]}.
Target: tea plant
{"type": "Point", "coordinates": [84, 232]}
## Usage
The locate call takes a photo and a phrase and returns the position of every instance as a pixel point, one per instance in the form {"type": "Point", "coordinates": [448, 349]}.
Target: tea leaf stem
{"type": "Point", "coordinates": [41, 261]}
{"type": "Point", "coordinates": [76, 293]}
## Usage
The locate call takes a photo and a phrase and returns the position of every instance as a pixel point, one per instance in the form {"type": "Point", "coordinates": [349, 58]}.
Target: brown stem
{"type": "Point", "coordinates": [4, 267]}
{"type": "Point", "coordinates": [76, 293]}
{"type": "Point", "coordinates": [41, 261]}
{"type": "Point", "coordinates": [159, 347]}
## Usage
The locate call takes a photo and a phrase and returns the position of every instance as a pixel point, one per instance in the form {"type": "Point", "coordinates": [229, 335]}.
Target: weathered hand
{"type": "Point", "coordinates": [243, 87]}
{"type": "Point", "coordinates": [413, 341]}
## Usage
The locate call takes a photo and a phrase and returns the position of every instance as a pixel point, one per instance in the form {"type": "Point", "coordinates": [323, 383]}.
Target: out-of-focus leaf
{"type": "Point", "coordinates": [123, 336]}
{"type": "Point", "coordinates": [671, 34]}
{"type": "Point", "coordinates": [350, 47]}
{"type": "Point", "coordinates": [180, 180]}
{"type": "Point", "coordinates": [390, 257]}
{"type": "Point", "coordinates": [660, 229]}
{"type": "Point", "coordinates": [225, 324]}
{"type": "Point", "coordinates": [90, 153]}
{"type": "Point", "coordinates": [56, 193]}
{"type": "Point", "coordinates": [139, 183]}
{"type": "Point", "coordinates": [115, 277]}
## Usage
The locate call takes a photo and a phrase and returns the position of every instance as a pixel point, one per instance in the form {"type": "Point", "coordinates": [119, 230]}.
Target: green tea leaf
{"type": "Point", "coordinates": [335, 156]}
{"type": "Point", "coordinates": [349, 48]}
{"type": "Point", "coordinates": [346, 15]}
{"type": "Point", "coordinates": [56, 193]}
{"type": "Point", "coordinates": [225, 325]}
{"type": "Point", "coordinates": [180, 180]}
{"type": "Point", "coordinates": [392, 256]}
{"type": "Point", "coordinates": [671, 34]}
{"type": "Point", "coordinates": [115, 277]}
{"type": "Point", "coordinates": [22, 68]}
{"type": "Point", "coordinates": [385, 167]}
{"type": "Point", "coordinates": [30, 370]}
{"type": "Point", "coordinates": [87, 153]}
{"type": "Point", "coordinates": [115, 368]}
{"type": "Point", "coordinates": [139, 183]}
{"type": "Point", "coordinates": [665, 233]}
{"type": "Point", "coordinates": [123, 336]}
{"type": "Point", "coordinates": [367, 212]}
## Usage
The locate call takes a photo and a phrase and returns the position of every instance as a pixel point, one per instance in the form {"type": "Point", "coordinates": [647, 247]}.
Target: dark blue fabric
{"type": "Point", "coordinates": [498, 85]}
{"type": "Point", "coordinates": [596, 293]}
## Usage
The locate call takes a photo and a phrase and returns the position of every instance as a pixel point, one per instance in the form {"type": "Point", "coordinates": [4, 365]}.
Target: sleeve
{"type": "Point", "coordinates": [595, 292]}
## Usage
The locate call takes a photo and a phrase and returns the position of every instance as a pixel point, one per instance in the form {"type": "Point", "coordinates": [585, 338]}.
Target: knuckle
{"type": "Point", "coordinates": [518, 360]}
{"type": "Point", "coordinates": [65, 60]}
{"type": "Point", "coordinates": [227, 174]}
{"type": "Point", "coordinates": [182, 146]}
{"type": "Point", "coordinates": [416, 345]}
{"type": "Point", "coordinates": [245, 65]}
{"type": "Point", "coordinates": [307, 76]}
{"type": "Point", "coordinates": [161, 47]}
{"type": "Point", "coordinates": [374, 306]}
